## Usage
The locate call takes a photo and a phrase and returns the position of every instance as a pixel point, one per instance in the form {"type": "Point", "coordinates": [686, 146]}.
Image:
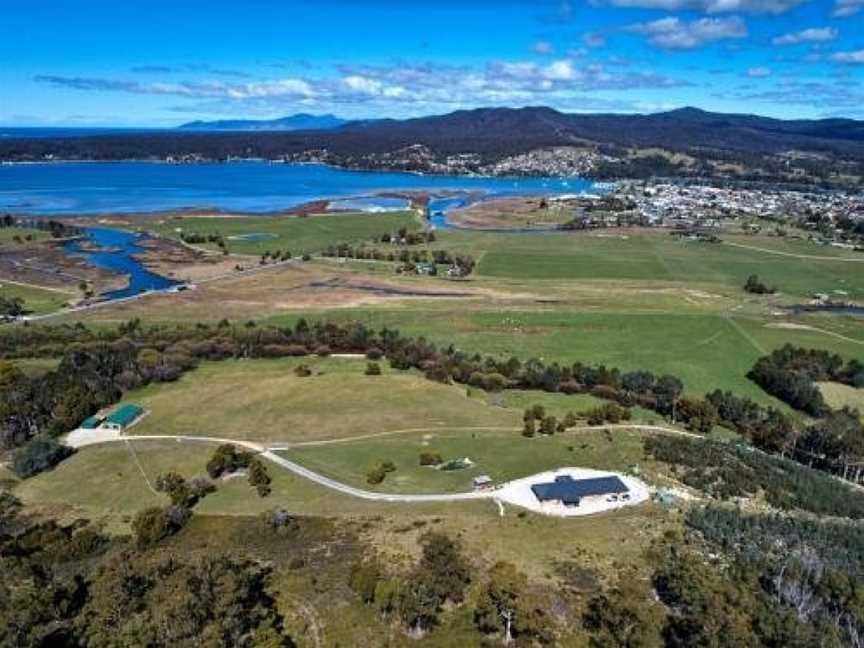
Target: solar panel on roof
{"type": "Point", "coordinates": [570, 491]}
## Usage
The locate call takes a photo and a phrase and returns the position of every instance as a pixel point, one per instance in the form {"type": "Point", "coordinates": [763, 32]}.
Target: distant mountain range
{"type": "Point", "coordinates": [535, 140]}
{"type": "Point", "coordinates": [300, 121]}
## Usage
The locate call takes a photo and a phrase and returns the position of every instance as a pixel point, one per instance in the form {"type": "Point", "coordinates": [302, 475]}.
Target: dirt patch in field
{"type": "Point", "coordinates": [293, 286]}
{"type": "Point", "coordinates": [182, 262]}
{"type": "Point", "coordinates": [512, 213]}
{"type": "Point", "coordinates": [46, 264]}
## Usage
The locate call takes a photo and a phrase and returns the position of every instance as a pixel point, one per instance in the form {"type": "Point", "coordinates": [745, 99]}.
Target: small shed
{"type": "Point", "coordinates": [482, 482]}
{"type": "Point", "coordinates": [92, 422]}
{"type": "Point", "coordinates": [123, 417]}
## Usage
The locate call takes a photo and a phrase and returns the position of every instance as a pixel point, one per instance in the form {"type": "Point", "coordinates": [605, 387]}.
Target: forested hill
{"type": "Point", "coordinates": [476, 140]}
{"type": "Point", "coordinates": [684, 128]}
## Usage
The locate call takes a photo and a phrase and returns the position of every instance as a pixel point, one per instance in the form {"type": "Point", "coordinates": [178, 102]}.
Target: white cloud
{"type": "Point", "coordinates": [846, 8]}
{"type": "Point", "coordinates": [674, 33]}
{"type": "Point", "coordinates": [852, 58]}
{"type": "Point", "coordinates": [713, 6]}
{"type": "Point", "coordinates": [560, 71]}
{"type": "Point", "coordinates": [758, 72]}
{"type": "Point", "coordinates": [542, 47]}
{"type": "Point", "coordinates": [362, 85]}
{"type": "Point", "coordinates": [812, 35]}
{"type": "Point", "coordinates": [401, 87]}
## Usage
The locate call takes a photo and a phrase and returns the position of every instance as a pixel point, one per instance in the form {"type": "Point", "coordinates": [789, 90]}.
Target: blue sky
{"type": "Point", "coordinates": [161, 63]}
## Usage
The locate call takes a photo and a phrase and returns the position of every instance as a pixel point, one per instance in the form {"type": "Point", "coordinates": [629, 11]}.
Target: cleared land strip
{"type": "Point", "coordinates": [815, 257]}
{"type": "Point", "coordinates": [377, 435]}
{"type": "Point", "coordinates": [806, 327]}
{"type": "Point", "coordinates": [63, 291]}
{"type": "Point", "coordinates": [83, 439]}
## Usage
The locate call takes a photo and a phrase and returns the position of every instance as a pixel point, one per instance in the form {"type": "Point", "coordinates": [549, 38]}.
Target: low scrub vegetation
{"type": "Point", "coordinates": [729, 471]}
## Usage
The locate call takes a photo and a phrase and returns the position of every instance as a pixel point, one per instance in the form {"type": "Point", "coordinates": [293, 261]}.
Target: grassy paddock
{"type": "Point", "coordinates": [107, 482]}
{"type": "Point", "coordinates": [504, 455]}
{"type": "Point", "coordinates": [263, 400]}
{"type": "Point", "coordinates": [294, 233]}
{"type": "Point", "coordinates": [647, 255]}
{"type": "Point", "coordinates": [837, 396]}
{"type": "Point", "coordinates": [9, 234]}
{"type": "Point", "coordinates": [36, 300]}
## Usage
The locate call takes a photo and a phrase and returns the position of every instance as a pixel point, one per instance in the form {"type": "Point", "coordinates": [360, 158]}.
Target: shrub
{"type": "Point", "coordinates": [376, 475]}
{"type": "Point", "coordinates": [364, 579]}
{"type": "Point", "coordinates": [607, 413]}
{"type": "Point", "coordinates": [374, 353]}
{"type": "Point", "coordinates": [40, 453]}
{"type": "Point", "coordinates": [302, 371]}
{"type": "Point", "coordinates": [258, 477]}
{"type": "Point", "coordinates": [155, 524]}
{"type": "Point", "coordinates": [430, 459]}
{"type": "Point", "coordinates": [280, 520]}
{"type": "Point", "coordinates": [176, 488]}
{"type": "Point", "coordinates": [226, 459]}
{"type": "Point", "coordinates": [373, 369]}
{"type": "Point", "coordinates": [755, 286]}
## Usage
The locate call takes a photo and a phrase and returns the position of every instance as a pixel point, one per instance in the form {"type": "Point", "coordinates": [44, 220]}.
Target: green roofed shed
{"type": "Point", "coordinates": [123, 416]}
{"type": "Point", "coordinates": [91, 422]}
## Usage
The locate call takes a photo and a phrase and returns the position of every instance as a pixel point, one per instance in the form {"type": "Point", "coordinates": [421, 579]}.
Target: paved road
{"type": "Point", "coordinates": [80, 439]}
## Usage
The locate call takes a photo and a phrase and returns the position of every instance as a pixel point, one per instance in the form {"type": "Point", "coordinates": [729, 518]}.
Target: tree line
{"type": "Point", "coordinates": [57, 229]}
{"type": "Point", "coordinates": [97, 366]}
{"type": "Point", "coordinates": [790, 373]}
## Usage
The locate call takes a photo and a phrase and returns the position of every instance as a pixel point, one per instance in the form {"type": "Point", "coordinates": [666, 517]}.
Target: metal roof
{"type": "Point", "coordinates": [570, 491]}
{"type": "Point", "coordinates": [125, 414]}
{"type": "Point", "coordinates": [91, 422]}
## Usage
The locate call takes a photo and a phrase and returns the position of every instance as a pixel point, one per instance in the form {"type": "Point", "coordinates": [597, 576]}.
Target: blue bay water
{"type": "Point", "coordinates": [70, 188]}
{"type": "Point", "coordinates": [67, 188]}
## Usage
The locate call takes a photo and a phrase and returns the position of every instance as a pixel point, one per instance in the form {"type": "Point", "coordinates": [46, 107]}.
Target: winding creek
{"type": "Point", "coordinates": [69, 189]}
{"type": "Point", "coordinates": [115, 250]}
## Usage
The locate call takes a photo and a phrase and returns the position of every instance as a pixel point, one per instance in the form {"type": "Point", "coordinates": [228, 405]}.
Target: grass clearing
{"type": "Point", "coordinates": [36, 366]}
{"type": "Point", "coordinates": [656, 256]}
{"type": "Point", "coordinates": [838, 396]}
{"type": "Point", "coordinates": [295, 233]}
{"type": "Point", "coordinates": [37, 301]}
{"type": "Point", "coordinates": [8, 235]}
{"type": "Point", "coordinates": [262, 400]}
{"type": "Point", "coordinates": [107, 482]}
{"type": "Point", "coordinates": [503, 455]}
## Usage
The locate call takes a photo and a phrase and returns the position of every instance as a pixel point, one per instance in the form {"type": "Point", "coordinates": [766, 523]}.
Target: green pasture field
{"type": "Point", "coordinates": [262, 400]}
{"type": "Point", "coordinates": [36, 300]}
{"type": "Point", "coordinates": [707, 352]}
{"type": "Point", "coordinates": [108, 481]}
{"type": "Point", "coordinates": [294, 233]}
{"type": "Point", "coordinates": [8, 234]}
{"type": "Point", "coordinates": [657, 256]}
{"type": "Point", "coordinates": [503, 455]}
